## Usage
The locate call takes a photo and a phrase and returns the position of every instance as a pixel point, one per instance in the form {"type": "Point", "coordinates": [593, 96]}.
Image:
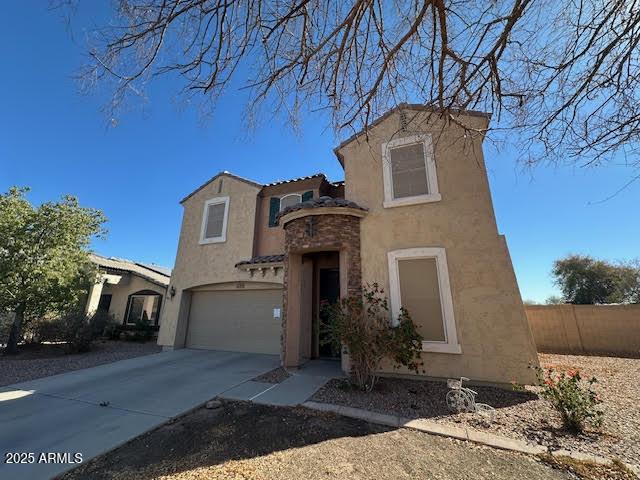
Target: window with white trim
{"type": "Point", "coordinates": [214, 220]}
{"type": "Point", "coordinates": [419, 282]}
{"type": "Point", "coordinates": [290, 200]}
{"type": "Point", "coordinates": [409, 171]}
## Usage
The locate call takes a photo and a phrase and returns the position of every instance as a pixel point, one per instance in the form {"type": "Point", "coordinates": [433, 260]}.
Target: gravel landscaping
{"type": "Point", "coordinates": [250, 442]}
{"type": "Point", "coordinates": [520, 415]}
{"type": "Point", "coordinates": [36, 361]}
{"type": "Point", "coordinates": [277, 375]}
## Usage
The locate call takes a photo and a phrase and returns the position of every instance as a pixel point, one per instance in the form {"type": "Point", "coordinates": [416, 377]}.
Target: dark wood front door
{"type": "Point", "coordinates": [329, 293]}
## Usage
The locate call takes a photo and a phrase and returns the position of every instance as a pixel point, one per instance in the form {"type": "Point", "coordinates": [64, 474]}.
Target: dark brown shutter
{"type": "Point", "coordinates": [274, 208]}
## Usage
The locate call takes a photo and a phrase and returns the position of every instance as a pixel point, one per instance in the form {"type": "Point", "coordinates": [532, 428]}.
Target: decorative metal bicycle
{"type": "Point", "coordinates": [462, 399]}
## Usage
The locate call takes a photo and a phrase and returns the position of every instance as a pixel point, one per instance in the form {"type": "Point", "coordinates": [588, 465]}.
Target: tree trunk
{"type": "Point", "coordinates": [16, 330]}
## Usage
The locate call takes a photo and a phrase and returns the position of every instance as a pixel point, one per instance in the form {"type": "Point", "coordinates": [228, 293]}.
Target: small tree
{"type": "Point", "coordinates": [363, 325]}
{"type": "Point", "coordinates": [44, 264]}
{"type": "Point", "coordinates": [586, 280]}
{"type": "Point", "coordinates": [554, 300]}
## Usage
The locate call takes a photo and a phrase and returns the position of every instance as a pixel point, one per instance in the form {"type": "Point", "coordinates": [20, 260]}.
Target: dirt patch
{"type": "Point", "coordinates": [520, 415]}
{"type": "Point", "coordinates": [36, 361]}
{"type": "Point", "coordinates": [277, 375]}
{"type": "Point", "coordinates": [248, 441]}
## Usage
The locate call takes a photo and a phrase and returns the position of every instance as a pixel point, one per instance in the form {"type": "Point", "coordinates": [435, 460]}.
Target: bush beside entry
{"type": "Point", "coordinates": [363, 325]}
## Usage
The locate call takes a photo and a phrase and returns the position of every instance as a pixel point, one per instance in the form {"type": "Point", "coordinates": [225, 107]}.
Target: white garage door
{"type": "Point", "coordinates": [239, 321]}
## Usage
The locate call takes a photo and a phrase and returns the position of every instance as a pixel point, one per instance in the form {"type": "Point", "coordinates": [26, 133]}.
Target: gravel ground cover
{"type": "Point", "coordinates": [36, 361]}
{"type": "Point", "coordinates": [277, 375]}
{"type": "Point", "coordinates": [520, 415]}
{"type": "Point", "coordinates": [253, 442]}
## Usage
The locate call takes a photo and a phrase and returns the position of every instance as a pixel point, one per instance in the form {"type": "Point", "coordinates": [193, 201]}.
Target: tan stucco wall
{"type": "Point", "coordinates": [593, 329]}
{"type": "Point", "coordinates": [270, 240]}
{"type": "Point", "coordinates": [492, 329]}
{"type": "Point", "coordinates": [130, 284]}
{"type": "Point", "coordinates": [198, 265]}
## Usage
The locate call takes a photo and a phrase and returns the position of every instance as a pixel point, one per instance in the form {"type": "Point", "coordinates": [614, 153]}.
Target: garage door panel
{"type": "Point", "coordinates": [240, 321]}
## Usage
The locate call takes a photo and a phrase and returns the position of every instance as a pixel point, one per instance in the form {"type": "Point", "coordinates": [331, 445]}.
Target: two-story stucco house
{"type": "Point", "coordinates": [414, 214]}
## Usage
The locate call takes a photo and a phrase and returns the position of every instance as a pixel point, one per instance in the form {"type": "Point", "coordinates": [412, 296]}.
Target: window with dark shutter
{"type": "Point", "coordinates": [307, 195]}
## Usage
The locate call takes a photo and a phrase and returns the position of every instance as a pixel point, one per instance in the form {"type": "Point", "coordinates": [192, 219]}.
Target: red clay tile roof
{"type": "Point", "coordinates": [262, 259]}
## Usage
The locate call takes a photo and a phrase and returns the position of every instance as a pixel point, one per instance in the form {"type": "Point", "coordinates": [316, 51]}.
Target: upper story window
{"type": "Point", "coordinates": [277, 204]}
{"type": "Point", "coordinates": [409, 171]}
{"type": "Point", "coordinates": [214, 220]}
{"type": "Point", "coordinates": [289, 200]}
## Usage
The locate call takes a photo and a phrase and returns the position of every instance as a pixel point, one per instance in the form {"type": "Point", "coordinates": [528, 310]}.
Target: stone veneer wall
{"type": "Point", "coordinates": [331, 232]}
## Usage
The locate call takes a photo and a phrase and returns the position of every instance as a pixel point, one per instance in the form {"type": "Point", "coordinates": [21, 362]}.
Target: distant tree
{"type": "Point", "coordinates": [586, 280]}
{"type": "Point", "coordinates": [44, 264]}
{"type": "Point", "coordinates": [554, 300]}
{"type": "Point", "coordinates": [528, 301]}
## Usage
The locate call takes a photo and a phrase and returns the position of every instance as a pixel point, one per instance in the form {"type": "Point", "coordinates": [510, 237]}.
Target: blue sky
{"type": "Point", "coordinates": [56, 141]}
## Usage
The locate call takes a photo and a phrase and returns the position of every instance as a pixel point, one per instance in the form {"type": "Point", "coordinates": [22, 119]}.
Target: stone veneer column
{"type": "Point", "coordinates": [308, 234]}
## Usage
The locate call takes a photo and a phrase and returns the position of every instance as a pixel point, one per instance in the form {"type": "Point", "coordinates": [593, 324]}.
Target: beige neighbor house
{"type": "Point", "coordinates": [129, 291]}
{"type": "Point", "coordinates": [414, 214]}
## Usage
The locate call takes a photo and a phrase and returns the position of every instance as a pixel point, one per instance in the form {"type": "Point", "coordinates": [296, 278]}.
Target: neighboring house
{"type": "Point", "coordinates": [130, 291]}
{"type": "Point", "coordinates": [414, 214]}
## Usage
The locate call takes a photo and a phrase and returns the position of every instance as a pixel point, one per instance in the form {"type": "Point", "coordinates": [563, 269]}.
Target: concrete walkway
{"type": "Point", "coordinates": [295, 390]}
{"type": "Point", "coordinates": [93, 410]}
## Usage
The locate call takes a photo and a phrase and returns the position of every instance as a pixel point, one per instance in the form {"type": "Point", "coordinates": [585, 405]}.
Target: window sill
{"type": "Point", "coordinates": [212, 240]}
{"type": "Point", "coordinates": [438, 347]}
{"type": "Point", "coordinates": [401, 202]}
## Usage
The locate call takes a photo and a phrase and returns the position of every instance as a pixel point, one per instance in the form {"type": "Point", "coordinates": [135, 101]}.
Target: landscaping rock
{"type": "Point", "coordinates": [519, 415]}
{"type": "Point", "coordinates": [212, 404]}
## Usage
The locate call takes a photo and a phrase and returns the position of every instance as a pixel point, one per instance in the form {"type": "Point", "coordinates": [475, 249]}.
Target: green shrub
{"type": "Point", "coordinates": [75, 329]}
{"type": "Point", "coordinates": [363, 325]}
{"type": "Point", "coordinates": [102, 324]}
{"type": "Point", "coordinates": [78, 332]}
{"type": "Point", "coordinates": [574, 399]}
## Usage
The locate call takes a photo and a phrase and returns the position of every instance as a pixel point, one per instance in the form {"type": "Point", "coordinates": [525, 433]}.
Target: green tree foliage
{"type": "Point", "coordinates": [554, 300]}
{"type": "Point", "coordinates": [586, 280]}
{"type": "Point", "coordinates": [44, 264]}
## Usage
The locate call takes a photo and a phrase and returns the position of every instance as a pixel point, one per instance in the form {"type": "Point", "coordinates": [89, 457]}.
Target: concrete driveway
{"type": "Point", "coordinates": [63, 413]}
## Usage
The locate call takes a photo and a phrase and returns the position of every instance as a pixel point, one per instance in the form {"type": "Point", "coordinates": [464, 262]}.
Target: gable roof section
{"type": "Point", "coordinates": [153, 273]}
{"type": "Point", "coordinates": [403, 106]}
{"type": "Point", "coordinates": [223, 173]}
{"type": "Point", "coordinates": [256, 184]}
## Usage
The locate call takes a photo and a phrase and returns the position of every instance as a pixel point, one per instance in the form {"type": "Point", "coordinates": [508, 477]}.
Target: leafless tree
{"type": "Point", "coordinates": [563, 75]}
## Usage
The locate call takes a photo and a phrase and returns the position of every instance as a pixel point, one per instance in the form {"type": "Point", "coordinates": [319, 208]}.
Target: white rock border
{"type": "Point", "coordinates": [460, 433]}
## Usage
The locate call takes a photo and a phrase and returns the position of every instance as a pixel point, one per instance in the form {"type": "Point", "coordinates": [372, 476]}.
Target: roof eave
{"type": "Point", "coordinates": [410, 106]}
{"type": "Point", "coordinates": [220, 174]}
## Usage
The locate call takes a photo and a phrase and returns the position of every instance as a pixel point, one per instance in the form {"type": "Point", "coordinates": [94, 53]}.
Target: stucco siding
{"type": "Point", "coordinates": [492, 329]}
{"type": "Point", "coordinates": [270, 240]}
{"type": "Point", "coordinates": [202, 264]}
{"type": "Point", "coordinates": [120, 294]}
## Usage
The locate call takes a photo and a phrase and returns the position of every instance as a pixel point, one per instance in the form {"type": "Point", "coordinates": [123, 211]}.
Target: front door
{"type": "Point", "coordinates": [329, 293]}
